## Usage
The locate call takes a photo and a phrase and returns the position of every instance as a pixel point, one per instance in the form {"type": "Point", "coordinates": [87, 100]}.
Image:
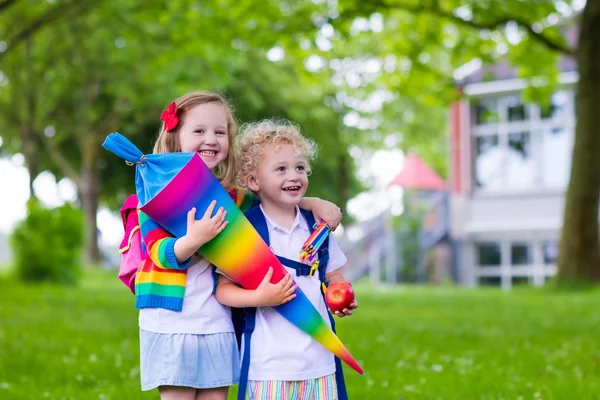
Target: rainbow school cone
{"type": "Point", "coordinates": [169, 185]}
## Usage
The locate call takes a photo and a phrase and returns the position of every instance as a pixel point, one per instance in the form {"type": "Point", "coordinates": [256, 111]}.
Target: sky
{"type": "Point", "coordinates": [14, 182]}
{"type": "Point", "coordinates": [377, 170]}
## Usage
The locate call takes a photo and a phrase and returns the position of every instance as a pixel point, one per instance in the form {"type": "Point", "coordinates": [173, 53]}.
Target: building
{"type": "Point", "coordinates": [509, 170]}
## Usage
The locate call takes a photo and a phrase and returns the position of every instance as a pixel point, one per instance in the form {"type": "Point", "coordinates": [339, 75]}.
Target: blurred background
{"type": "Point", "coordinates": [447, 133]}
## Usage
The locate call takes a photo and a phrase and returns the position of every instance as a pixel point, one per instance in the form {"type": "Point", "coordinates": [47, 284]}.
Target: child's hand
{"type": "Point", "coordinates": [274, 294]}
{"type": "Point", "coordinates": [346, 311]}
{"type": "Point", "coordinates": [204, 230]}
{"type": "Point", "coordinates": [327, 211]}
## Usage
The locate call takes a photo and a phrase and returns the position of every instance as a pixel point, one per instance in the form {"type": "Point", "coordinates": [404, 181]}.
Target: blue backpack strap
{"type": "Point", "coordinates": [323, 260]}
{"type": "Point", "coordinates": [237, 314]}
{"type": "Point", "coordinates": [259, 222]}
{"type": "Point", "coordinates": [250, 322]}
{"type": "Point", "coordinates": [256, 217]}
{"type": "Point", "coordinates": [301, 269]}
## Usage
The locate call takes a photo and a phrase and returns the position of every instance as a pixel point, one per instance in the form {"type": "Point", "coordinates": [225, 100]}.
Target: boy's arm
{"type": "Point", "coordinates": [163, 248]}
{"type": "Point", "coordinates": [337, 261]}
{"type": "Point", "coordinates": [336, 277]}
{"type": "Point", "coordinates": [321, 209]}
{"type": "Point", "coordinates": [230, 294]}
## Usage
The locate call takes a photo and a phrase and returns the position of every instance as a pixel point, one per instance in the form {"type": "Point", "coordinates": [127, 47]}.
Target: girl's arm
{"type": "Point", "coordinates": [230, 294]}
{"type": "Point", "coordinates": [160, 245]}
{"type": "Point", "coordinates": [168, 252]}
{"type": "Point", "coordinates": [323, 210]}
{"type": "Point", "coordinates": [335, 277]}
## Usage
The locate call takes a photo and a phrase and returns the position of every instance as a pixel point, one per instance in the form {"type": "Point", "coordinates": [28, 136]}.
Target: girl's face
{"type": "Point", "coordinates": [204, 130]}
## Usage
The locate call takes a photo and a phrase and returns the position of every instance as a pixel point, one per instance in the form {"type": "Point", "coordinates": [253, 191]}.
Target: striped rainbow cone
{"type": "Point", "coordinates": [169, 185]}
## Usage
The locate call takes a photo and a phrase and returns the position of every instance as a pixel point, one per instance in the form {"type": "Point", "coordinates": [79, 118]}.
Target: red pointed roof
{"type": "Point", "coordinates": [416, 174]}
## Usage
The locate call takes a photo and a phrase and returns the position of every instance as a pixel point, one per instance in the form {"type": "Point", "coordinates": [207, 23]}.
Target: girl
{"type": "Point", "coordinates": [280, 361]}
{"type": "Point", "coordinates": [188, 348]}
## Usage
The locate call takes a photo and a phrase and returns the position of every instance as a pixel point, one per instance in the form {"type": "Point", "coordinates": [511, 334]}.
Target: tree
{"type": "Point", "coordinates": [579, 249]}
{"type": "Point", "coordinates": [117, 66]}
{"type": "Point", "coordinates": [436, 37]}
{"type": "Point", "coordinates": [41, 16]}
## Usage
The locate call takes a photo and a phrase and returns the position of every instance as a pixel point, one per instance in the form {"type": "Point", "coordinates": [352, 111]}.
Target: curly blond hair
{"type": "Point", "coordinates": [255, 136]}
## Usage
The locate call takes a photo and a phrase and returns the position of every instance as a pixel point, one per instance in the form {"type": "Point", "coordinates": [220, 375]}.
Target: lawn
{"type": "Point", "coordinates": [414, 343]}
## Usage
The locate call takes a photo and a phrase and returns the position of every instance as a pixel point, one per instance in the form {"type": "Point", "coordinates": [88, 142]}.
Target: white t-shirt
{"type": "Point", "coordinates": [201, 312]}
{"type": "Point", "coordinates": [279, 350]}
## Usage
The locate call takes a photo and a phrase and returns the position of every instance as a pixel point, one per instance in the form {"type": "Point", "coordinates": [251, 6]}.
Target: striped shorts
{"type": "Point", "coordinates": [323, 388]}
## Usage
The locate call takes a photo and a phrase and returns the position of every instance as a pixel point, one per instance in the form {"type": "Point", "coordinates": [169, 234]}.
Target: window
{"type": "Point", "coordinates": [519, 164]}
{"type": "Point", "coordinates": [557, 147]}
{"type": "Point", "coordinates": [486, 111]}
{"type": "Point", "coordinates": [516, 260]}
{"type": "Point", "coordinates": [550, 252]}
{"type": "Point", "coordinates": [523, 146]}
{"type": "Point", "coordinates": [488, 161]}
{"type": "Point", "coordinates": [558, 106]}
{"type": "Point", "coordinates": [490, 281]}
{"type": "Point", "coordinates": [489, 254]}
{"type": "Point", "coordinates": [520, 254]}
{"type": "Point", "coordinates": [519, 281]}
{"type": "Point", "coordinates": [516, 109]}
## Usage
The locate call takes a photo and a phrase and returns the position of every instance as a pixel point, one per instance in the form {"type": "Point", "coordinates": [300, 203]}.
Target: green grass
{"type": "Point", "coordinates": [414, 343]}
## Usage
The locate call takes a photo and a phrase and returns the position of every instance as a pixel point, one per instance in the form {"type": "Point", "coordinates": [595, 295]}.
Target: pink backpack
{"type": "Point", "coordinates": [132, 253]}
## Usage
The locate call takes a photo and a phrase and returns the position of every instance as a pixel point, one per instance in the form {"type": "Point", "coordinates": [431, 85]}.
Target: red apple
{"type": "Point", "coordinates": [339, 296]}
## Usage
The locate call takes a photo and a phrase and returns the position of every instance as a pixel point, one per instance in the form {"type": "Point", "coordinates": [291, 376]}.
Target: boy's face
{"type": "Point", "coordinates": [281, 177]}
{"type": "Point", "coordinates": [204, 131]}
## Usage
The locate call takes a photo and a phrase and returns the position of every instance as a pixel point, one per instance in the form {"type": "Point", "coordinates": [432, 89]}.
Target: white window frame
{"type": "Point", "coordinates": [535, 125]}
{"type": "Point", "coordinates": [536, 271]}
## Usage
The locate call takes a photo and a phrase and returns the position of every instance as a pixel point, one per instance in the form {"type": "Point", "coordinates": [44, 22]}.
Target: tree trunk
{"type": "Point", "coordinates": [29, 146]}
{"type": "Point", "coordinates": [344, 181]}
{"type": "Point", "coordinates": [28, 138]}
{"type": "Point", "coordinates": [579, 257]}
{"type": "Point", "coordinates": [89, 193]}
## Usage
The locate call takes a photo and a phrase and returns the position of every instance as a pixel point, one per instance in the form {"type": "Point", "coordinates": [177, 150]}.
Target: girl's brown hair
{"type": "Point", "coordinates": [168, 142]}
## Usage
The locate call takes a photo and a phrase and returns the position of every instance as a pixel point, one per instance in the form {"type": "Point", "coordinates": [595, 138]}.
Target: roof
{"type": "Point", "coordinates": [417, 174]}
{"type": "Point", "coordinates": [503, 70]}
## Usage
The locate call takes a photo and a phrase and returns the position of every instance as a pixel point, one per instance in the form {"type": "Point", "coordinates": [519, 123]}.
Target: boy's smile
{"type": "Point", "coordinates": [281, 178]}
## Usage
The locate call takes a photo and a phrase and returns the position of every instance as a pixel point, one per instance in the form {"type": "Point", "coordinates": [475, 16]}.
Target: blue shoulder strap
{"type": "Point", "coordinates": [257, 219]}
{"type": "Point", "coordinates": [323, 251]}
{"type": "Point", "coordinates": [323, 260]}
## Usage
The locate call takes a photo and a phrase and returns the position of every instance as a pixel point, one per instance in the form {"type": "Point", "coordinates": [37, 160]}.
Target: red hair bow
{"type": "Point", "coordinates": [170, 118]}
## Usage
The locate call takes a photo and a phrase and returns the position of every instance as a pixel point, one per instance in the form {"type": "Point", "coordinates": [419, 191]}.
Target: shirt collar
{"type": "Point", "coordinates": [299, 222]}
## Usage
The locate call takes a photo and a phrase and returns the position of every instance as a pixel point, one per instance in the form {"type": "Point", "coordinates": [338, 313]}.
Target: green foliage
{"type": "Point", "coordinates": [414, 343]}
{"type": "Point", "coordinates": [116, 66]}
{"type": "Point", "coordinates": [47, 244]}
{"type": "Point", "coordinates": [417, 46]}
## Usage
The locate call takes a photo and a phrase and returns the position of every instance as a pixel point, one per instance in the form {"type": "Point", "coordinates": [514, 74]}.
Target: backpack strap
{"type": "Point", "coordinates": [244, 200]}
{"type": "Point", "coordinates": [301, 269]}
{"type": "Point", "coordinates": [245, 369]}
{"type": "Point", "coordinates": [322, 267]}
{"type": "Point", "coordinates": [257, 219]}
{"type": "Point", "coordinates": [323, 252]}
{"type": "Point", "coordinates": [237, 314]}
{"type": "Point", "coordinates": [130, 225]}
